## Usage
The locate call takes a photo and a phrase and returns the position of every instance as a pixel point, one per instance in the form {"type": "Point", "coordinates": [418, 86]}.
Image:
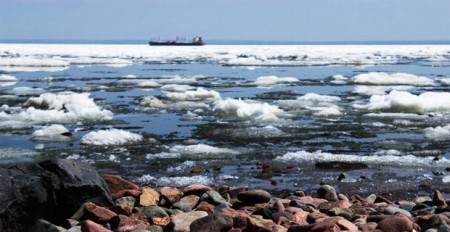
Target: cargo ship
{"type": "Point", "coordinates": [196, 41]}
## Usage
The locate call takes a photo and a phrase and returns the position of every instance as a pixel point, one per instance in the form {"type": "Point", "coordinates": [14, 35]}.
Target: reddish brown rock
{"type": "Point", "coordinates": [171, 194]}
{"type": "Point", "coordinates": [149, 197]}
{"type": "Point", "coordinates": [300, 217]}
{"type": "Point", "coordinates": [90, 211]}
{"type": "Point", "coordinates": [239, 218]}
{"type": "Point", "coordinates": [163, 222]}
{"type": "Point", "coordinates": [122, 223]}
{"type": "Point", "coordinates": [205, 206]}
{"type": "Point", "coordinates": [90, 226]}
{"type": "Point", "coordinates": [327, 224]}
{"type": "Point", "coordinates": [311, 200]}
{"type": "Point", "coordinates": [119, 209]}
{"type": "Point", "coordinates": [254, 196]}
{"type": "Point", "coordinates": [196, 189]}
{"type": "Point", "coordinates": [346, 225]}
{"type": "Point", "coordinates": [313, 217]}
{"type": "Point", "coordinates": [396, 223]}
{"type": "Point", "coordinates": [119, 187]}
{"type": "Point", "coordinates": [438, 199]}
{"type": "Point", "coordinates": [257, 224]}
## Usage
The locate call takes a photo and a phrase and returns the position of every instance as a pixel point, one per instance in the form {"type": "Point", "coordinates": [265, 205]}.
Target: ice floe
{"type": "Point", "coordinates": [339, 79]}
{"type": "Point", "coordinates": [176, 88]}
{"type": "Point", "coordinates": [248, 110]}
{"type": "Point", "coordinates": [193, 95]}
{"type": "Point", "coordinates": [60, 108]}
{"type": "Point", "coordinates": [437, 133]}
{"type": "Point", "coordinates": [321, 105]}
{"type": "Point", "coordinates": [7, 80]}
{"type": "Point", "coordinates": [52, 133]}
{"type": "Point", "coordinates": [110, 137]}
{"type": "Point", "coordinates": [176, 181]}
{"type": "Point", "coordinates": [400, 101]}
{"type": "Point", "coordinates": [385, 159]}
{"type": "Point", "coordinates": [379, 90]}
{"type": "Point", "coordinates": [381, 78]}
{"type": "Point", "coordinates": [201, 149]}
{"type": "Point", "coordinates": [272, 80]}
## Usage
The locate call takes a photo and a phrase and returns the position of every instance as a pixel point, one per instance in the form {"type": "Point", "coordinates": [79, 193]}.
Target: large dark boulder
{"type": "Point", "coordinates": [52, 190]}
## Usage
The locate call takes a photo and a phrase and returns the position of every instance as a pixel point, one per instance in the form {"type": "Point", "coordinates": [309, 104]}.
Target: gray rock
{"type": "Point", "coordinates": [52, 190]}
{"type": "Point", "coordinates": [327, 192]}
{"type": "Point", "coordinates": [154, 211]}
{"type": "Point", "coordinates": [435, 222]}
{"type": "Point", "coordinates": [182, 222]}
{"type": "Point", "coordinates": [211, 223]}
{"type": "Point", "coordinates": [423, 200]}
{"type": "Point", "coordinates": [75, 229]}
{"type": "Point", "coordinates": [128, 201]}
{"type": "Point", "coordinates": [213, 197]}
{"type": "Point", "coordinates": [182, 206]}
{"type": "Point", "coordinates": [407, 206]}
{"type": "Point", "coordinates": [393, 210]}
{"type": "Point", "coordinates": [42, 225]}
{"type": "Point", "coordinates": [444, 228]}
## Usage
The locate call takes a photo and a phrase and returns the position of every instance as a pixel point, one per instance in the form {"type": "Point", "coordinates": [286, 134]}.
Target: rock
{"type": "Point", "coordinates": [128, 201]}
{"type": "Point", "coordinates": [300, 216]}
{"type": "Point", "coordinates": [42, 225]}
{"type": "Point", "coordinates": [182, 222]}
{"type": "Point", "coordinates": [435, 222]}
{"type": "Point", "coordinates": [90, 226]}
{"type": "Point", "coordinates": [346, 225]}
{"type": "Point", "coordinates": [339, 165]}
{"type": "Point", "coordinates": [205, 206]}
{"type": "Point", "coordinates": [423, 200]}
{"type": "Point", "coordinates": [438, 199]}
{"type": "Point", "coordinates": [254, 196]}
{"type": "Point", "coordinates": [93, 212]}
{"type": "Point", "coordinates": [172, 195]}
{"type": "Point", "coordinates": [148, 197]}
{"type": "Point", "coordinates": [75, 229]}
{"type": "Point", "coordinates": [196, 189]}
{"type": "Point", "coordinates": [51, 190]}
{"type": "Point", "coordinates": [239, 218]}
{"type": "Point", "coordinates": [153, 228]}
{"type": "Point", "coordinates": [327, 224]}
{"type": "Point", "coordinates": [394, 210]}
{"type": "Point", "coordinates": [263, 225]}
{"type": "Point", "coordinates": [191, 200]}
{"type": "Point", "coordinates": [154, 211]}
{"type": "Point", "coordinates": [118, 209]}
{"type": "Point", "coordinates": [122, 223]}
{"type": "Point", "coordinates": [213, 197]}
{"type": "Point", "coordinates": [212, 223]}
{"type": "Point", "coordinates": [120, 187]}
{"type": "Point", "coordinates": [327, 192]}
{"type": "Point", "coordinates": [396, 223]}
{"type": "Point", "coordinates": [182, 206]}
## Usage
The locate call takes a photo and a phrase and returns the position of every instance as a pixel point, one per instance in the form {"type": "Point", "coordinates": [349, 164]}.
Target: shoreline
{"type": "Point", "coordinates": [67, 195]}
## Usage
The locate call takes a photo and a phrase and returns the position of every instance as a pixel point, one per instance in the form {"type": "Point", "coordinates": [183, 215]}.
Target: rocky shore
{"type": "Point", "coordinates": [64, 195]}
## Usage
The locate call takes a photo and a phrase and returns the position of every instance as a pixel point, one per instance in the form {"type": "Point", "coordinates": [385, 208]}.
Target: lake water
{"type": "Point", "coordinates": [278, 117]}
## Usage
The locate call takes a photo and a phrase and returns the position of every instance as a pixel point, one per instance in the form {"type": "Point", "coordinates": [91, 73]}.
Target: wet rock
{"type": "Point", "coordinates": [182, 222]}
{"type": "Point", "coordinates": [327, 165]}
{"type": "Point", "coordinates": [172, 195]}
{"type": "Point", "coordinates": [254, 196]}
{"type": "Point", "coordinates": [51, 190]}
{"type": "Point", "coordinates": [122, 223]}
{"type": "Point", "coordinates": [120, 187]}
{"type": "Point", "coordinates": [327, 192]}
{"type": "Point", "coordinates": [148, 197]}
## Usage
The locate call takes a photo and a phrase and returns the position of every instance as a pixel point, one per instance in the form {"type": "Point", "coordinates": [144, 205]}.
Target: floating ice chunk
{"type": "Point", "coordinates": [129, 76]}
{"type": "Point", "coordinates": [26, 91]}
{"type": "Point", "coordinates": [200, 149]}
{"type": "Point", "coordinates": [381, 78]}
{"type": "Point", "coordinates": [52, 130]}
{"type": "Point", "coordinates": [388, 159]}
{"type": "Point", "coordinates": [110, 137]}
{"type": "Point", "coordinates": [378, 90]}
{"type": "Point", "coordinates": [176, 181]}
{"type": "Point", "coordinates": [148, 84]}
{"type": "Point", "coordinates": [437, 133]}
{"type": "Point", "coordinates": [446, 179]}
{"type": "Point", "coordinates": [321, 105]}
{"type": "Point", "coordinates": [339, 79]}
{"type": "Point", "coordinates": [152, 101]}
{"type": "Point", "coordinates": [8, 78]}
{"type": "Point", "coordinates": [176, 88]}
{"type": "Point", "coordinates": [444, 81]}
{"type": "Point", "coordinates": [62, 108]}
{"type": "Point", "coordinates": [163, 155]}
{"type": "Point", "coordinates": [399, 101]}
{"type": "Point", "coordinates": [271, 80]}
{"type": "Point", "coordinates": [248, 110]}
{"type": "Point", "coordinates": [198, 94]}
{"type": "Point", "coordinates": [176, 80]}
{"type": "Point", "coordinates": [33, 62]}
{"type": "Point", "coordinates": [397, 115]}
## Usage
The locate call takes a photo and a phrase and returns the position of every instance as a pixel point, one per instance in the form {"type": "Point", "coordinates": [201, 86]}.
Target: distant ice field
{"type": "Point", "coordinates": [379, 113]}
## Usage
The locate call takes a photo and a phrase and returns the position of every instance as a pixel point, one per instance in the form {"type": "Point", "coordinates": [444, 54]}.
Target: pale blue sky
{"type": "Point", "coordinates": [281, 20]}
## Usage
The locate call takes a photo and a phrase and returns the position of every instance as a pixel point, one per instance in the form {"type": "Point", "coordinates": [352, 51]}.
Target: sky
{"type": "Point", "coordinates": [266, 20]}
